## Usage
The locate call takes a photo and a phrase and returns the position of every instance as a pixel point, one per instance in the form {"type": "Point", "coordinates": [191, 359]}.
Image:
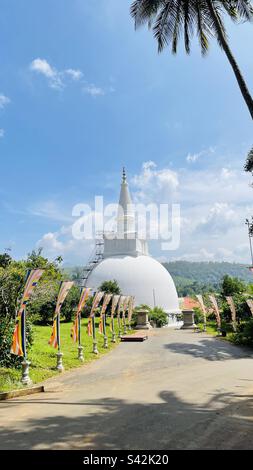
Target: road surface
{"type": "Point", "coordinates": [177, 390]}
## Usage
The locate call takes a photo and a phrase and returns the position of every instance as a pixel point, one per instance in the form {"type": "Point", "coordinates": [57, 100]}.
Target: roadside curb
{"type": "Point", "coordinates": [22, 392]}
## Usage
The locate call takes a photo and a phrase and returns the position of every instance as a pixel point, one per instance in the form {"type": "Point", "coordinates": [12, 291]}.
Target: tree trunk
{"type": "Point", "coordinates": [241, 82]}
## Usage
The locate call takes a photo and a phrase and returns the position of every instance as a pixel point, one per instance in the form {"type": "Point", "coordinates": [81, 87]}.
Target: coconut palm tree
{"type": "Point", "coordinates": [169, 19]}
{"type": "Point", "coordinates": [249, 162]}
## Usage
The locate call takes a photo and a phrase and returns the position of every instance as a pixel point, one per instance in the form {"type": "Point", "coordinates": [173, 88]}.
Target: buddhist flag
{"type": "Point", "coordinates": [250, 305]}
{"type": "Point", "coordinates": [63, 292]}
{"type": "Point", "coordinates": [19, 341]}
{"type": "Point", "coordinates": [120, 305]}
{"type": "Point", "coordinates": [130, 309]}
{"type": "Point", "coordinates": [106, 301]}
{"type": "Point", "coordinates": [202, 305]}
{"type": "Point", "coordinates": [75, 330]}
{"type": "Point", "coordinates": [114, 304]}
{"type": "Point", "coordinates": [115, 300]}
{"type": "Point", "coordinates": [125, 305]}
{"type": "Point", "coordinates": [216, 309]}
{"type": "Point", "coordinates": [97, 299]}
{"type": "Point", "coordinates": [231, 304]}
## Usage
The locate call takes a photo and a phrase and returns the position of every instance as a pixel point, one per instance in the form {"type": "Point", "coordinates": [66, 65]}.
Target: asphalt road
{"type": "Point", "coordinates": [177, 390]}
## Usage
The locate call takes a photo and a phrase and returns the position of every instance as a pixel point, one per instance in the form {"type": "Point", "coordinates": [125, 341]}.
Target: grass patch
{"type": "Point", "coordinates": [211, 329]}
{"type": "Point", "coordinates": [43, 357]}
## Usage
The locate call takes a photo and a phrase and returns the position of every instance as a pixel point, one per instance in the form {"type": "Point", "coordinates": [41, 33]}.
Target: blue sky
{"type": "Point", "coordinates": [83, 94]}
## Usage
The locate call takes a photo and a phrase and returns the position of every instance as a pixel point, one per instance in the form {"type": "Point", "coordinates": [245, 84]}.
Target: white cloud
{"type": "Point", "coordinates": [62, 244]}
{"type": "Point", "coordinates": [58, 79]}
{"type": "Point", "coordinates": [42, 67]}
{"type": "Point", "coordinates": [214, 204]}
{"type": "Point", "coordinates": [154, 185]}
{"type": "Point", "coordinates": [93, 90]}
{"type": "Point", "coordinates": [193, 158]}
{"type": "Point", "coordinates": [220, 218]}
{"type": "Point", "coordinates": [4, 100]}
{"type": "Point", "coordinates": [226, 173]}
{"type": "Point", "coordinates": [74, 74]}
{"type": "Point", "coordinates": [2, 133]}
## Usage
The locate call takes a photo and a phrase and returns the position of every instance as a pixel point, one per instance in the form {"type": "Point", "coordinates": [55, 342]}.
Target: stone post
{"type": "Point", "coordinates": [105, 342]}
{"type": "Point", "coordinates": [95, 347]}
{"type": "Point", "coordinates": [142, 320]}
{"type": "Point", "coordinates": [59, 366]}
{"type": "Point", "coordinates": [188, 318]}
{"type": "Point", "coordinates": [25, 373]}
{"type": "Point", "coordinates": [80, 353]}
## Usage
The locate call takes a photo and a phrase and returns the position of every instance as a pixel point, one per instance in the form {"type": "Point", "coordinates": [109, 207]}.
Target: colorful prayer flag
{"type": "Point", "coordinates": [19, 341]}
{"type": "Point", "coordinates": [216, 309]}
{"type": "Point", "coordinates": [75, 330]}
{"type": "Point", "coordinates": [106, 301]}
{"type": "Point", "coordinates": [120, 305]}
{"type": "Point", "coordinates": [63, 292]}
{"type": "Point", "coordinates": [203, 307]}
{"type": "Point", "coordinates": [115, 301]}
{"type": "Point", "coordinates": [250, 305]}
{"type": "Point", "coordinates": [130, 309]}
{"type": "Point", "coordinates": [231, 304]}
{"type": "Point", "coordinates": [97, 299]}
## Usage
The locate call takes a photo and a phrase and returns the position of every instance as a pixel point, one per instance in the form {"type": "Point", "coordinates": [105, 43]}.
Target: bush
{"type": "Point", "coordinates": [158, 316]}
{"type": "Point", "coordinates": [12, 282]}
{"type": "Point", "coordinates": [110, 287]}
{"type": "Point", "coordinates": [245, 334]}
{"type": "Point", "coordinates": [198, 315]}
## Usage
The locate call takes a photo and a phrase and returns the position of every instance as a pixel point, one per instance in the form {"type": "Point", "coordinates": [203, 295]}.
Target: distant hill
{"type": "Point", "coordinates": [194, 277]}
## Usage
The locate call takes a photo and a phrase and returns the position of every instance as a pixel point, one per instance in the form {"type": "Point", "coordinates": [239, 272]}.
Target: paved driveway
{"type": "Point", "coordinates": [178, 390]}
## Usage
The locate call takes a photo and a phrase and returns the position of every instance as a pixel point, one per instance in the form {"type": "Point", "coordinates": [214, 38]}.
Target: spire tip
{"type": "Point", "coordinates": [124, 178]}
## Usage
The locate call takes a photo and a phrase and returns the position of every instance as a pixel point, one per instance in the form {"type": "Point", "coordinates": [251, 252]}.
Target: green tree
{"type": "Point", "coordinates": [249, 162]}
{"type": "Point", "coordinates": [5, 260]}
{"type": "Point", "coordinates": [40, 307]}
{"type": "Point", "coordinates": [110, 287]}
{"type": "Point", "coordinates": [158, 316]}
{"type": "Point", "coordinates": [11, 285]}
{"type": "Point", "coordinates": [171, 19]}
{"type": "Point", "coordinates": [232, 286]}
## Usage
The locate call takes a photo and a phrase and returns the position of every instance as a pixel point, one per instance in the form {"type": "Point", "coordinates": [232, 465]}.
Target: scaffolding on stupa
{"type": "Point", "coordinates": [95, 258]}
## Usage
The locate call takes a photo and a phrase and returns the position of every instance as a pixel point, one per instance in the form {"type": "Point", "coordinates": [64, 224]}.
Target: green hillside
{"type": "Point", "coordinates": [198, 277]}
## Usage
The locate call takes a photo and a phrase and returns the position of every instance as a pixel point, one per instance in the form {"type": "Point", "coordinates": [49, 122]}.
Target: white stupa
{"type": "Point", "coordinates": [126, 259]}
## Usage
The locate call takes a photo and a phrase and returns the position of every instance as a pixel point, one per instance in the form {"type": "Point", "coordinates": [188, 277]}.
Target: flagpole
{"type": "Point", "coordinates": [24, 333]}
{"type": "Point", "coordinates": [80, 348]}
{"type": "Point", "coordinates": [119, 325]}
{"type": "Point", "coordinates": [105, 337]}
{"type": "Point", "coordinates": [95, 349]}
{"type": "Point", "coordinates": [25, 364]}
{"type": "Point", "coordinates": [113, 331]}
{"type": "Point", "coordinates": [250, 242]}
{"type": "Point", "coordinates": [59, 366]}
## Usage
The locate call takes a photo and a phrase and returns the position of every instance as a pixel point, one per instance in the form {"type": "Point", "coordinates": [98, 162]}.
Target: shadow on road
{"type": "Point", "coordinates": [216, 350]}
{"type": "Point", "coordinates": [223, 423]}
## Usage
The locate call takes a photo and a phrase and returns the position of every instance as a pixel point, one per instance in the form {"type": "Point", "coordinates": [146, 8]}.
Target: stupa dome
{"type": "Point", "coordinates": [140, 276]}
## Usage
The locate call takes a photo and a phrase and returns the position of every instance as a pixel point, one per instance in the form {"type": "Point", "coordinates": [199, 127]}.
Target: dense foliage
{"type": "Point", "coordinates": [110, 287]}
{"type": "Point", "coordinates": [200, 277]}
{"type": "Point", "coordinates": [158, 316]}
{"type": "Point", "coordinates": [41, 306]}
